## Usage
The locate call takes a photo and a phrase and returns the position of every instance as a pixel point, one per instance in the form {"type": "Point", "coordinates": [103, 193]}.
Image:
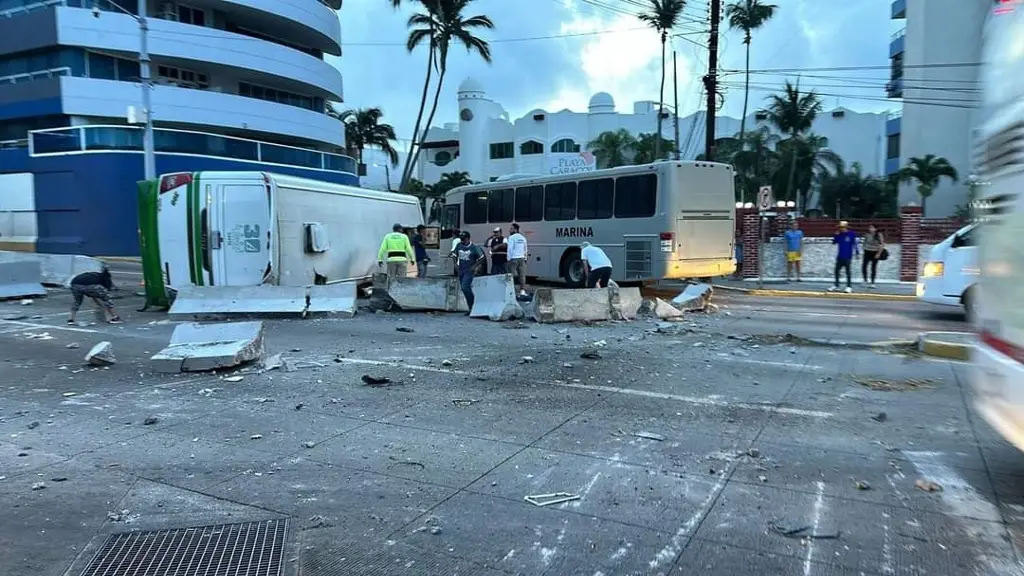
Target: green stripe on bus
{"type": "Point", "coordinates": [197, 230]}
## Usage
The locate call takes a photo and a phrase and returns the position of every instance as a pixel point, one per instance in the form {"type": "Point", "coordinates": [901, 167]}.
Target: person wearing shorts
{"type": "Point", "coordinates": [95, 285]}
{"type": "Point", "coordinates": [794, 238]}
{"type": "Point", "coordinates": [517, 253]}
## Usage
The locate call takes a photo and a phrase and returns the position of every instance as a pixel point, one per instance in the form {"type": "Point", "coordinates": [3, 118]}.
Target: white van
{"type": "Point", "coordinates": [952, 271]}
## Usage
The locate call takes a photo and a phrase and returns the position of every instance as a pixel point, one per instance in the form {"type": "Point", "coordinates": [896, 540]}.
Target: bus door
{"type": "Point", "coordinates": [451, 220]}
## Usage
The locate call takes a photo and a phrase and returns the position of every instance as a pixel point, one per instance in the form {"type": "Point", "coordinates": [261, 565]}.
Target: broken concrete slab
{"type": "Point", "coordinates": [198, 347]}
{"type": "Point", "coordinates": [101, 354]}
{"type": "Point", "coordinates": [55, 269]}
{"type": "Point", "coordinates": [337, 298]}
{"type": "Point", "coordinates": [195, 302]}
{"type": "Point", "coordinates": [664, 310]}
{"type": "Point", "coordinates": [694, 297]}
{"type": "Point", "coordinates": [20, 279]}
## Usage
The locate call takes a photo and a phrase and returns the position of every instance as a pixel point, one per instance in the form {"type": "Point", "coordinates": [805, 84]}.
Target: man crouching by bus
{"type": "Point", "coordinates": [597, 266]}
{"type": "Point", "coordinates": [469, 257]}
{"type": "Point", "coordinates": [95, 285]}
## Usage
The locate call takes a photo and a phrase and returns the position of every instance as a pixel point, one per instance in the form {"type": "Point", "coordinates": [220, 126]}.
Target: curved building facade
{"type": "Point", "coordinates": [235, 83]}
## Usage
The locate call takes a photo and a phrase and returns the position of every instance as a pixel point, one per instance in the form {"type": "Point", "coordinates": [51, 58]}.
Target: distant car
{"type": "Point", "coordinates": [951, 272]}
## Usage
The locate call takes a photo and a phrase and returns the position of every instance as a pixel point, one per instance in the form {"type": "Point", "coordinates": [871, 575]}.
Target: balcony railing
{"type": "Point", "coordinates": [86, 139]}
{"type": "Point", "coordinates": [898, 33]}
{"type": "Point", "coordinates": [36, 75]}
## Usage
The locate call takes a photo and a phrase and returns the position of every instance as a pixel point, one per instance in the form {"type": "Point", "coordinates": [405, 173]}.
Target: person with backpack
{"type": "Point", "coordinates": [874, 247]}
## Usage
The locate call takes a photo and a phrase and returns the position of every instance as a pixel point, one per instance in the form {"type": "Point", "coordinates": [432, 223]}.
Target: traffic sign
{"type": "Point", "coordinates": [765, 201]}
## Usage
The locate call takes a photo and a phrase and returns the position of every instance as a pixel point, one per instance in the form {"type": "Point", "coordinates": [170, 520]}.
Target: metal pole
{"type": "Point", "coordinates": [675, 101]}
{"type": "Point", "coordinates": [149, 158]}
{"type": "Point", "coordinates": [711, 81]}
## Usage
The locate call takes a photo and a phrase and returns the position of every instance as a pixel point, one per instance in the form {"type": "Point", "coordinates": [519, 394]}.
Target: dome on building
{"type": "Point", "coordinates": [470, 85]}
{"type": "Point", "coordinates": [602, 102]}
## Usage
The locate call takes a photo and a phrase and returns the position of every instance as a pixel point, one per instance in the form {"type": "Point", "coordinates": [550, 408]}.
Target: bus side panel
{"type": "Point", "coordinates": [172, 224]}
{"type": "Point", "coordinates": [149, 245]}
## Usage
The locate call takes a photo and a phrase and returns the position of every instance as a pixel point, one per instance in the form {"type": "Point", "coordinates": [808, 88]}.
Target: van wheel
{"type": "Point", "coordinates": [970, 307]}
{"type": "Point", "coordinates": [572, 269]}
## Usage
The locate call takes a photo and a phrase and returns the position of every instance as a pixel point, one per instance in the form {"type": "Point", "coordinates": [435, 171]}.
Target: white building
{"type": "Point", "coordinates": [935, 69]}
{"type": "Point", "coordinates": [486, 143]}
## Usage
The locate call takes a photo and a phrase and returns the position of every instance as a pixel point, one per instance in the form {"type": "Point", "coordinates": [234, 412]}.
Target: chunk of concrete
{"type": "Point", "coordinates": [694, 297]}
{"type": "Point", "coordinates": [20, 279]}
{"type": "Point", "coordinates": [664, 310]}
{"type": "Point", "coordinates": [198, 347]}
{"type": "Point", "coordinates": [101, 354]}
{"type": "Point", "coordinates": [625, 302]}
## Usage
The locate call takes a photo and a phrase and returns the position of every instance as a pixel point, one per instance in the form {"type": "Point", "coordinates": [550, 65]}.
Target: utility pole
{"type": "Point", "coordinates": [675, 101]}
{"type": "Point", "coordinates": [711, 80]}
{"type": "Point", "coordinates": [149, 157]}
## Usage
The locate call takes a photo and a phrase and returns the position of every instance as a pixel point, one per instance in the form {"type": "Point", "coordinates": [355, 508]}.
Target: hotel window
{"type": "Point", "coordinates": [190, 15]}
{"type": "Point", "coordinates": [443, 158]}
{"type": "Point", "coordinates": [182, 78]}
{"type": "Point", "coordinates": [565, 145]}
{"type": "Point", "coordinates": [502, 150]}
{"type": "Point", "coordinates": [280, 96]}
{"type": "Point", "coordinates": [531, 147]}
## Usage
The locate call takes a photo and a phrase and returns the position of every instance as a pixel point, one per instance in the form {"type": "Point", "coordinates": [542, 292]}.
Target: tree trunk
{"type": "Point", "coordinates": [407, 170]}
{"type": "Point", "coordinates": [661, 102]}
{"type": "Point", "coordinates": [746, 96]}
{"type": "Point", "coordinates": [433, 109]}
{"type": "Point", "coordinates": [792, 168]}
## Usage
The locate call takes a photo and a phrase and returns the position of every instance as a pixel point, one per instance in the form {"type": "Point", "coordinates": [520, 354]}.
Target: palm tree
{"type": "Point", "coordinates": [792, 113]}
{"type": "Point", "coordinates": [441, 24]}
{"type": "Point", "coordinates": [647, 144]}
{"type": "Point", "coordinates": [663, 16]}
{"type": "Point", "coordinates": [452, 180]}
{"type": "Point", "coordinates": [612, 148]}
{"type": "Point", "coordinates": [748, 15]}
{"type": "Point", "coordinates": [814, 162]}
{"type": "Point", "coordinates": [927, 172]}
{"type": "Point", "coordinates": [363, 129]}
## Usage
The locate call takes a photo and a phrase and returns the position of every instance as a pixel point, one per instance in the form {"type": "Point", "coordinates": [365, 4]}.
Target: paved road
{"type": "Point", "coordinates": [428, 475]}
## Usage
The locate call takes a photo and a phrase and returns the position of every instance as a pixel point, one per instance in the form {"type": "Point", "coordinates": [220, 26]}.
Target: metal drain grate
{"type": "Point", "coordinates": [247, 549]}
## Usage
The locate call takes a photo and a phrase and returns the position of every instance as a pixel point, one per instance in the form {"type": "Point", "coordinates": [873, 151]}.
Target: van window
{"type": "Point", "coordinates": [635, 196]}
{"type": "Point", "coordinates": [501, 205]}
{"type": "Point", "coordinates": [450, 219]}
{"type": "Point", "coordinates": [476, 208]}
{"type": "Point", "coordinates": [595, 199]}
{"type": "Point", "coordinates": [529, 204]}
{"type": "Point", "coordinates": [965, 239]}
{"type": "Point", "coordinates": [560, 201]}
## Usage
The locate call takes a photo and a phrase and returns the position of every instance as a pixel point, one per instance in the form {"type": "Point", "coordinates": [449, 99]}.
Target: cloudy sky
{"type": "Point", "coordinates": [555, 54]}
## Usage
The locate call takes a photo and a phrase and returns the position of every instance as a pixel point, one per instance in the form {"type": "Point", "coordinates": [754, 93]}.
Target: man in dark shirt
{"type": "Point", "coordinates": [468, 258]}
{"type": "Point", "coordinates": [421, 252]}
{"type": "Point", "coordinates": [499, 251]}
{"type": "Point", "coordinates": [95, 285]}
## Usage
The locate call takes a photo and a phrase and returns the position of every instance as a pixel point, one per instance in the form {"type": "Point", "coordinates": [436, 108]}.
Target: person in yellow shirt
{"type": "Point", "coordinates": [396, 250]}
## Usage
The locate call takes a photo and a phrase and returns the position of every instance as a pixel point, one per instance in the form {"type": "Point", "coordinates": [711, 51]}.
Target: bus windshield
{"type": "Point", "coordinates": [654, 221]}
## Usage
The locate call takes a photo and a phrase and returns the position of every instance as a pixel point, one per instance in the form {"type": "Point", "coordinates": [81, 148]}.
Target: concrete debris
{"type": "Point", "coordinates": [463, 402]}
{"type": "Point", "coordinates": [122, 516]}
{"type": "Point", "coordinates": [299, 406]}
{"type": "Point", "coordinates": [880, 417]}
{"type": "Point", "coordinates": [59, 479]}
{"type": "Point", "coordinates": [27, 302]}
{"type": "Point", "coordinates": [101, 354]}
{"type": "Point", "coordinates": [650, 436]}
{"type": "Point", "coordinates": [33, 425]}
{"type": "Point", "coordinates": [319, 522]}
{"type": "Point", "coordinates": [39, 486]}
{"type": "Point", "coordinates": [435, 530]}
{"type": "Point", "coordinates": [526, 360]}
{"type": "Point", "coordinates": [446, 363]}
{"type": "Point", "coordinates": [198, 347]}
{"type": "Point", "coordinates": [150, 421]}
{"type": "Point", "coordinates": [694, 297]}
{"type": "Point", "coordinates": [404, 329]}
{"type": "Point", "coordinates": [763, 479]}
{"type": "Point", "coordinates": [69, 394]}
{"type": "Point", "coordinates": [591, 355]}
{"type": "Point", "coordinates": [927, 485]}
{"type": "Point", "coordinates": [256, 437]}
{"type": "Point", "coordinates": [72, 346]}
{"type": "Point", "coordinates": [232, 378]}
{"type": "Point", "coordinates": [273, 363]}
{"type": "Point", "coordinates": [862, 485]}
{"type": "Point", "coordinates": [375, 380]}
{"type": "Point", "coordinates": [754, 453]}
{"type": "Point", "coordinates": [664, 310]}
{"type": "Point", "coordinates": [309, 444]}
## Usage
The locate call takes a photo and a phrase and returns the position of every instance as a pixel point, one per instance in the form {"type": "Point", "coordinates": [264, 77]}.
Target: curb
{"type": "Point", "coordinates": [121, 259]}
{"type": "Point", "coordinates": [932, 344]}
{"type": "Point", "coordinates": [831, 295]}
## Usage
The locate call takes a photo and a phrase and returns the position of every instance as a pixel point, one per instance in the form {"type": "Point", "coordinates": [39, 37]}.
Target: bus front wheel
{"type": "Point", "coordinates": [572, 269]}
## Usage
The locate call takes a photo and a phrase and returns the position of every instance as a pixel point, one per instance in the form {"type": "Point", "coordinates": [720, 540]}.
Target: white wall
{"type": "Point", "coordinates": [936, 115]}
{"type": "Point", "coordinates": [18, 221]}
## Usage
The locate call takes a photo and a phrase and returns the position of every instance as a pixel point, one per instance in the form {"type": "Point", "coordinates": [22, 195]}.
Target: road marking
{"type": "Point", "coordinates": [696, 400]}
{"type": "Point", "coordinates": [399, 365]}
{"type": "Point", "coordinates": [36, 326]}
{"type": "Point", "coordinates": [815, 521]}
{"type": "Point", "coordinates": [792, 365]}
{"type": "Point", "coordinates": [672, 549]}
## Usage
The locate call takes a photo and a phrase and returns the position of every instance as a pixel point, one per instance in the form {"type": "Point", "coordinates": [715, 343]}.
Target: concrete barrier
{"type": "Point", "coordinates": [200, 301]}
{"type": "Point", "coordinates": [694, 297]}
{"type": "Point", "coordinates": [571, 305]}
{"type": "Point", "coordinates": [495, 298]}
{"type": "Point", "coordinates": [204, 347]}
{"type": "Point", "coordinates": [625, 302]}
{"type": "Point", "coordinates": [442, 294]}
{"type": "Point", "coordinates": [333, 299]}
{"type": "Point", "coordinates": [20, 280]}
{"type": "Point", "coordinates": [55, 269]}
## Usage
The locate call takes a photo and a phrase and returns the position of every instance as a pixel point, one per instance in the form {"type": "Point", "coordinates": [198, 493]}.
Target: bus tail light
{"type": "Point", "coordinates": [666, 241]}
{"type": "Point", "coordinates": [172, 181]}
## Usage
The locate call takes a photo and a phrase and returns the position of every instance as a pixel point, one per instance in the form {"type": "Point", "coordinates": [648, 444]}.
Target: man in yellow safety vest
{"type": "Point", "coordinates": [396, 250]}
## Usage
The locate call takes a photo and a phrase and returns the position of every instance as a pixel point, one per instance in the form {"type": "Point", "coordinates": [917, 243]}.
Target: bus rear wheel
{"type": "Point", "coordinates": [572, 269]}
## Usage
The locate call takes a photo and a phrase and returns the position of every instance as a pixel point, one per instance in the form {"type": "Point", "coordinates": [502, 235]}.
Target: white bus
{"type": "Point", "coordinates": [655, 221]}
{"type": "Point", "coordinates": [999, 358]}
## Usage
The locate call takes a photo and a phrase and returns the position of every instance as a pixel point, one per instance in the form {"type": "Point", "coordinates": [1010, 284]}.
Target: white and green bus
{"type": "Point", "coordinates": [655, 221]}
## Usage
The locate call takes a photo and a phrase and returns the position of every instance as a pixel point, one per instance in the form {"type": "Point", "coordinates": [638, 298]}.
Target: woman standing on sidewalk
{"type": "Point", "coordinates": [874, 244]}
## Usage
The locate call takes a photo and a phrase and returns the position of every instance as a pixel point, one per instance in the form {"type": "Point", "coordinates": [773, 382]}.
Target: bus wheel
{"type": "Point", "coordinates": [572, 269]}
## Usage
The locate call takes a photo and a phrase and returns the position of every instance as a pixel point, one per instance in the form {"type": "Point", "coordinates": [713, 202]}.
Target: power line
{"type": "Point", "coordinates": [936, 102]}
{"type": "Point", "coordinates": [858, 68]}
{"type": "Point", "coordinates": [680, 35]}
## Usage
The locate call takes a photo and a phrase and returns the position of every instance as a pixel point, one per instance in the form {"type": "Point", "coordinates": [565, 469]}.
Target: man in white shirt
{"type": "Point", "coordinates": [597, 265]}
{"type": "Point", "coordinates": [517, 254]}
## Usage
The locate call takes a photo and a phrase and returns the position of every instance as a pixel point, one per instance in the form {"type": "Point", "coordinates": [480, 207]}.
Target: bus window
{"type": "Point", "coordinates": [596, 199]}
{"type": "Point", "coordinates": [450, 221]}
{"type": "Point", "coordinates": [476, 208]}
{"type": "Point", "coordinates": [500, 205]}
{"type": "Point", "coordinates": [560, 201]}
{"type": "Point", "coordinates": [635, 196]}
{"type": "Point", "coordinates": [529, 204]}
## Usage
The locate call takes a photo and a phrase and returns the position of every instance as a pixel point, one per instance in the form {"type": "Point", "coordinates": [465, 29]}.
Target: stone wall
{"type": "Point", "coordinates": [819, 259]}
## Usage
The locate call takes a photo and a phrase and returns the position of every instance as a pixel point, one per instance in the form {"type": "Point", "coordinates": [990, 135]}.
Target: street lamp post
{"type": "Point", "coordinates": [148, 156]}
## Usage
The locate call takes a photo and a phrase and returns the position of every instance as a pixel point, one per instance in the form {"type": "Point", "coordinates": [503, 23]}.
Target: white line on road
{"type": "Point", "coordinates": [672, 549]}
{"type": "Point", "coordinates": [815, 521]}
{"type": "Point", "coordinates": [628, 391]}
{"type": "Point", "coordinates": [792, 365]}
{"type": "Point", "coordinates": [46, 326]}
